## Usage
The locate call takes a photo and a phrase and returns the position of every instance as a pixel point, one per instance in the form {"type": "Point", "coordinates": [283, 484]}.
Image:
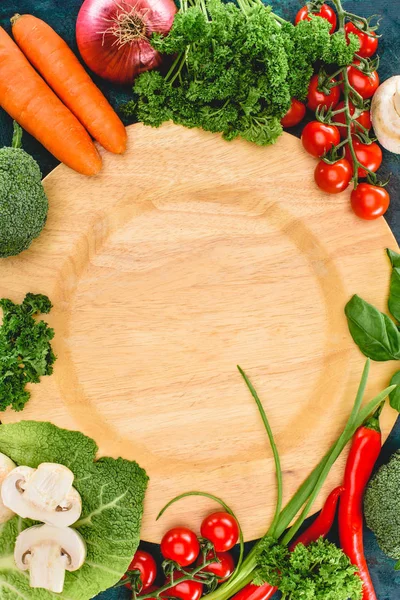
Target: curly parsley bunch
{"type": "Point", "coordinates": [319, 571]}
{"type": "Point", "coordinates": [235, 69]}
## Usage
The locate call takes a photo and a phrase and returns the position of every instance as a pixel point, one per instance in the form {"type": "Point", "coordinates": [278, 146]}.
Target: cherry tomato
{"type": "Point", "coordinates": [318, 138]}
{"type": "Point", "coordinates": [146, 565]}
{"type": "Point", "coordinates": [181, 545]}
{"type": "Point", "coordinates": [364, 119]}
{"type": "Point", "coordinates": [369, 155]}
{"type": "Point", "coordinates": [369, 201]}
{"type": "Point", "coordinates": [295, 114]}
{"type": "Point", "coordinates": [186, 590]}
{"type": "Point", "coordinates": [221, 529]}
{"type": "Point", "coordinates": [333, 178]}
{"type": "Point", "coordinates": [222, 569]}
{"type": "Point", "coordinates": [316, 98]}
{"type": "Point", "coordinates": [365, 85]}
{"type": "Point", "coordinates": [326, 12]}
{"type": "Point", "coordinates": [368, 43]}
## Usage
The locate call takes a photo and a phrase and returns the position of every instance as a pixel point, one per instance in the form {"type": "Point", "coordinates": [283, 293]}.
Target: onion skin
{"type": "Point", "coordinates": [99, 47]}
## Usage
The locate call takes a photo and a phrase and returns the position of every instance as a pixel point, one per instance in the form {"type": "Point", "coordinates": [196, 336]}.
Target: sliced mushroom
{"type": "Point", "coordinates": [43, 494]}
{"type": "Point", "coordinates": [47, 552]}
{"type": "Point", "coordinates": [385, 113]}
{"type": "Point", "coordinates": [6, 466]}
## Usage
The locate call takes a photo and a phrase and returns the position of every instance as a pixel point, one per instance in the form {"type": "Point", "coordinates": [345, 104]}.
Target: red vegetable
{"type": "Point", "coordinates": [368, 42]}
{"type": "Point", "coordinates": [222, 569]}
{"type": "Point", "coordinates": [113, 37]}
{"type": "Point", "coordinates": [146, 565]}
{"type": "Point", "coordinates": [369, 155]}
{"type": "Point", "coordinates": [186, 590]}
{"type": "Point", "coordinates": [364, 452]}
{"type": "Point", "coordinates": [369, 201]}
{"type": "Point", "coordinates": [181, 545]}
{"type": "Point", "coordinates": [319, 527]}
{"type": "Point", "coordinates": [221, 529]}
{"type": "Point", "coordinates": [326, 12]}
{"type": "Point", "coordinates": [322, 525]}
{"type": "Point", "coordinates": [333, 178]}
{"type": "Point", "coordinates": [364, 119]}
{"type": "Point", "coordinates": [318, 138]}
{"type": "Point", "coordinates": [294, 115]}
{"type": "Point", "coordinates": [365, 85]}
{"type": "Point", "coordinates": [316, 98]}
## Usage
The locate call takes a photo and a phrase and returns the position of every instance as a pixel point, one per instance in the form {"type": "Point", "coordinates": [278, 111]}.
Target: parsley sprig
{"type": "Point", "coordinates": [25, 351]}
{"type": "Point", "coordinates": [235, 69]}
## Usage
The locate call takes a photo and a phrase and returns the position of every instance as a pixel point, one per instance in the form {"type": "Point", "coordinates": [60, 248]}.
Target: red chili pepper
{"type": "Point", "coordinates": [320, 527]}
{"type": "Point", "coordinates": [365, 449]}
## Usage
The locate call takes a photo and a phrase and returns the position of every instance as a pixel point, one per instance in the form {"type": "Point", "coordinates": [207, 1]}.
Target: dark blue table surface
{"type": "Point", "coordinates": [61, 14]}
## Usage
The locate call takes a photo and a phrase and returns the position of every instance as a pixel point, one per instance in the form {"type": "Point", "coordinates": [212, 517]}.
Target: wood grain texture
{"type": "Point", "coordinates": [181, 259]}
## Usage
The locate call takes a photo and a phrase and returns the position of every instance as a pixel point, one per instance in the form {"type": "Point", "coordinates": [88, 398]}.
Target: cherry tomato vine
{"type": "Point", "coordinates": [358, 83]}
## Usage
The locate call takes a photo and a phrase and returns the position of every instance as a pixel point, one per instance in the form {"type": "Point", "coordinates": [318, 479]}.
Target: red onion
{"type": "Point", "coordinates": [113, 36]}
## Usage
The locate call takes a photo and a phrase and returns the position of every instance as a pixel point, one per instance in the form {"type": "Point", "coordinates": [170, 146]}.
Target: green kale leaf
{"type": "Point", "coordinates": [112, 492]}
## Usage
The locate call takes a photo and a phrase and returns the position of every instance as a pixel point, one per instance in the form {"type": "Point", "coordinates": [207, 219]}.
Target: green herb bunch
{"type": "Point", "coordinates": [25, 351]}
{"type": "Point", "coordinates": [319, 571]}
{"type": "Point", "coordinates": [235, 69]}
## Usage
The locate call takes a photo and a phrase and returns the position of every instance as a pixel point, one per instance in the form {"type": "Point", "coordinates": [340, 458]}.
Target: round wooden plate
{"type": "Point", "coordinates": [183, 258]}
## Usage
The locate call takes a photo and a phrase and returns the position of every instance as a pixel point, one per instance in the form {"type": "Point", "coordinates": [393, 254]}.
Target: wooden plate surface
{"type": "Point", "coordinates": [183, 258]}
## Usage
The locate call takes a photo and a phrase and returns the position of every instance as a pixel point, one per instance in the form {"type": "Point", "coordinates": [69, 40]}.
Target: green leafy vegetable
{"type": "Point", "coordinates": [23, 202]}
{"type": "Point", "coordinates": [394, 295]}
{"type": "Point", "coordinates": [25, 351]}
{"type": "Point", "coordinates": [375, 334]}
{"type": "Point", "coordinates": [382, 507]}
{"type": "Point", "coordinates": [319, 571]}
{"type": "Point", "coordinates": [395, 395]}
{"type": "Point", "coordinates": [112, 494]}
{"type": "Point", "coordinates": [235, 69]}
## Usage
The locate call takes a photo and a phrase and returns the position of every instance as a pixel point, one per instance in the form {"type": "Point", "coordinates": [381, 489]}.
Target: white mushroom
{"type": "Point", "coordinates": [385, 113]}
{"type": "Point", "coordinates": [44, 494]}
{"type": "Point", "coordinates": [47, 552]}
{"type": "Point", "coordinates": [6, 466]}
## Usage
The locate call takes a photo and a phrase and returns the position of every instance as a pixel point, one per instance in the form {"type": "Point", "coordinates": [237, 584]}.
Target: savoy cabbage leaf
{"type": "Point", "coordinates": [112, 492]}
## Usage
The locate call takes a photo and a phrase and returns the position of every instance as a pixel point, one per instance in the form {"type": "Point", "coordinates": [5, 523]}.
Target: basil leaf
{"type": "Point", "coordinates": [374, 333]}
{"type": "Point", "coordinates": [394, 257]}
{"type": "Point", "coordinates": [394, 295]}
{"type": "Point", "coordinates": [395, 395]}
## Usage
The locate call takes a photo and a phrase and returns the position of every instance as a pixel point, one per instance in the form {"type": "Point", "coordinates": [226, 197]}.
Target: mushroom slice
{"type": "Point", "coordinates": [385, 113]}
{"type": "Point", "coordinates": [47, 552]}
{"type": "Point", "coordinates": [6, 466]}
{"type": "Point", "coordinates": [43, 494]}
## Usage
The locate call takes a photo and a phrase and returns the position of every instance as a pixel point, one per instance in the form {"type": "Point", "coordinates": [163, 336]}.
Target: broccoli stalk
{"type": "Point", "coordinates": [23, 202]}
{"type": "Point", "coordinates": [382, 507]}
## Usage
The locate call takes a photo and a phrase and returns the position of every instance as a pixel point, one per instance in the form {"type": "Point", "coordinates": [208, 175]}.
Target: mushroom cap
{"type": "Point", "coordinates": [6, 466]}
{"type": "Point", "coordinates": [385, 114]}
{"type": "Point", "coordinates": [71, 543]}
{"type": "Point", "coordinates": [13, 492]}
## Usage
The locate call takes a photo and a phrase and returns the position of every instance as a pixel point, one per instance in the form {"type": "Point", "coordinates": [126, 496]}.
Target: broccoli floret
{"type": "Point", "coordinates": [382, 506]}
{"type": "Point", "coordinates": [23, 202]}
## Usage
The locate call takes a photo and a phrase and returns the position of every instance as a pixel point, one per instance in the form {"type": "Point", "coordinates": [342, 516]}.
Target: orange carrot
{"type": "Point", "coordinates": [58, 65]}
{"type": "Point", "coordinates": [29, 101]}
